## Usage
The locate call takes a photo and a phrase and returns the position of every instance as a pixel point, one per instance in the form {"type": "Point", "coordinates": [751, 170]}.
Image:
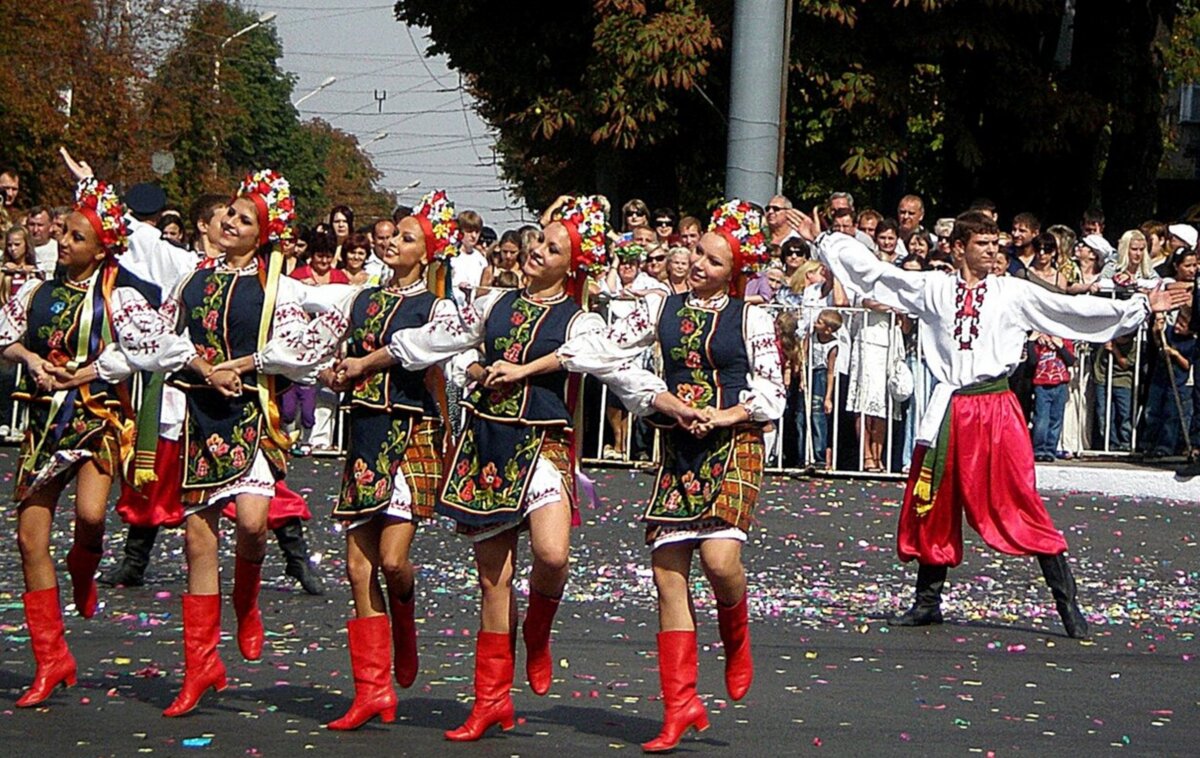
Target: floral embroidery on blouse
{"type": "Point", "coordinates": [967, 301]}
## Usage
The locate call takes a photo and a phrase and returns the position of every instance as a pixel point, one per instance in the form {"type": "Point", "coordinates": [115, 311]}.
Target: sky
{"type": "Point", "coordinates": [433, 134]}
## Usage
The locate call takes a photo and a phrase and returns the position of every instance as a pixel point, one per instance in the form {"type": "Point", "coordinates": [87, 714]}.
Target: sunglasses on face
{"type": "Point", "coordinates": [633, 212]}
{"type": "Point", "coordinates": [1046, 248]}
{"type": "Point", "coordinates": [656, 259]}
{"type": "Point", "coordinates": [663, 222]}
{"type": "Point", "coordinates": [792, 254]}
{"type": "Point", "coordinates": [775, 208]}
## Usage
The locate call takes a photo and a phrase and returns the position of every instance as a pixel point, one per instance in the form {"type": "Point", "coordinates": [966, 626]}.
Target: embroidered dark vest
{"type": "Point", "coordinates": [53, 325]}
{"type": "Point", "coordinates": [374, 317]}
{"type": "Point", "coordinates": [520, 330]}
{"type": "Point", "coordinates": [704, 352]}
{"type": "Point", "coordinates": [221, 311]}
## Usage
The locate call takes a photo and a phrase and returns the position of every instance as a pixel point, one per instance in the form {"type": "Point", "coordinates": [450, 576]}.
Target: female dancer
{"type": "Point", "coordinates": [62, 331]}
{"type": "Point", "coordinates": [512, 467]}
{"type": "Point", "coordinates": [239, 309]}
{"type": "Point", "coordinates": [393, 466]}
{"type": "Point", "coordinates": [720, 356]}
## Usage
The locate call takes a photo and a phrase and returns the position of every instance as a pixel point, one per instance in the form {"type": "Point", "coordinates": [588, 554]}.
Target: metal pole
{"type": "Point", "coordinates": [759, 29]}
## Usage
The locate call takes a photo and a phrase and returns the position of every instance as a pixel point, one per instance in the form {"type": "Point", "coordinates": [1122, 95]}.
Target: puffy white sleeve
{"type": "Point", "coordinates": [1079, 317]}
{"type": "Point", "coordinates": [767, 395]}
{"type": "Point", "coordinates": [859, 270]}
{"type": "Point", "coordinates": [596, 352]}
{"type": "Point", "coordinates": [14, 316]}
{"type": "Point", "coordinates": [147, 335]}
{"type": "Point", "coordinates": [318, 298]}
{"type": "Point", "coordinates": [299, 348]}
{"type": "Point", "coordinates": [112, 366]}
{"type": "Point", "coordinates": [448, 332]}
{"type": "Point", "coordinates": [613, 355]}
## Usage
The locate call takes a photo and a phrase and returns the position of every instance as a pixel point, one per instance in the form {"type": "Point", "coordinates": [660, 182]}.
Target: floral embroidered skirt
{"type": "Point", "coordinates": [393, 466]}
{"type": "Point", "coordinates": [706, 500]}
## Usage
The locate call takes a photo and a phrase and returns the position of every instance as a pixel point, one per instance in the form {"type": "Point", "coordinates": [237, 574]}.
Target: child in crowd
{"type": "Point", "coordinates": [823, 351]}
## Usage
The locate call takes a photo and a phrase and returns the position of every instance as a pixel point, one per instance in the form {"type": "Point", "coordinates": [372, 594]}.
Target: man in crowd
{"type": "Point", "coordinates": [777, 220]}
{"type": "Point", "coordinates": [381, 236]}
{"type": "Point", "coordinates": [45, 249]}
{"type": "Point", "coordinates": [690, 230]}
{"type": "Point", "coordinates": [845, 201]}
{"type": "Point", "coordinates": [1092, 222]}
{"type": "Point", "coordinates": [1025, 227]}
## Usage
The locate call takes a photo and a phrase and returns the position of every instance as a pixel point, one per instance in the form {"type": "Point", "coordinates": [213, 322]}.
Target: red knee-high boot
{"type": "Point", "coordinates": [682, 708]}
{"type": "Point", "coordinates": [247, 577]}
{"type": "Point", "coordinates": [493, 680]}
{"type": "Point", "coordinates": [369, 640]}
{"type": "Point", "coordinates": [55, 664]}
{"type": "Point", "coordinates": [734, 623]}
{"type": "Point", "coordinates": [404, 640]}
{"type": "Point", "coordinates": [82, 563]}
{"type": "Point", "coordinates": [539, 619]}
{"type": "Point", "coordinates": [202, 665]}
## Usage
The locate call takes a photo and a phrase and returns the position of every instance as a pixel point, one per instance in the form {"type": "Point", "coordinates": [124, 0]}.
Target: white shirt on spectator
{"type": "Point", "coordinates": [466, 270]}
{"type": "Point", "coordinates": [47, 258]}
{"type": "Point", "coordinates": [961, 349]}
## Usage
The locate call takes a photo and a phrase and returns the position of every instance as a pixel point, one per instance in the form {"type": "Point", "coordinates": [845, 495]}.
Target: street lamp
{"type": "Point", "coordinates": [320, 87]}
{"type": "Point", "coordinates": [263, 19]}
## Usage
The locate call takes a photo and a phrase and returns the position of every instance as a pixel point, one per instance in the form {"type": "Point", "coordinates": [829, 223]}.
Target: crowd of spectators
{"type": "Point", "coordinates": [853, 368]}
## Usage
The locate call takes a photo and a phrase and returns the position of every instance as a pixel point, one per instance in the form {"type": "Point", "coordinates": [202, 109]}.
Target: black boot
{"type": "Point", "coordinates": [295, 550]}
{"type": "Point", "coordinates": [131, 571]}
{"type": "Point", "coordinates": [928, 606]}
{"type": "Point", "coordinates": [1062, 583]}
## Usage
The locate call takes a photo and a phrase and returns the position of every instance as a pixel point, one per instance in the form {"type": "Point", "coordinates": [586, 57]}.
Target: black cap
{"type": "Point", "coordinates": [145, 199]}
{"type": "Point", "coordinates": [487, 236]}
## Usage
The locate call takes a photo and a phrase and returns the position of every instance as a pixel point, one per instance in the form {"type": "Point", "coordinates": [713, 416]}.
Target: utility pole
{"type": "Point", "coordinates": [755, 109]}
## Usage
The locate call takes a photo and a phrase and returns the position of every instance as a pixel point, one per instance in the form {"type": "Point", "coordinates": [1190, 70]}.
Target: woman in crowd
{"type": "Point", "coordinates": [1044, 269]}
{"type": "Point", "coordinates": [722, 361]}
{"type": "Point", "coordinates": [678, 264]}
{"type": "Point", "coordinates": [918, 244]}
{"type": "Point", "coordinates": [79, 425]}
{"type": "Point", "coordinates": [887, 237]}
{"type": "Point", "coordinates": [512, 466]}
{"type": "Point", "coordinates": [635, 213]}
{"type": "Point", "coordinates": [664, 226]}
{"type": "Point", "coordinates": [238, 318]}
{"type": "Point", "coordinates": [341, 223]}
{"type": "Point", "coordinates": [354, 259]}
{"type": "Point", "coordinates": [173, 229]}
{"type": "Point", "coordinates": [506, 258]}
{"type": "Point", "coordinates": [1132, 266]}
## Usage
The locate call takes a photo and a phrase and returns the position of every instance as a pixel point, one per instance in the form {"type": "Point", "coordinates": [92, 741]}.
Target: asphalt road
{"type": "Point", "coordinates": [831, 676]}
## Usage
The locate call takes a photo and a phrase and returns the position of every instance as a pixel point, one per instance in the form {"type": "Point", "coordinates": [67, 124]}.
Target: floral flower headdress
{"type": "Point", "coordinates": [436, 215]}
{"type": "Point", "coordinates": [100, 205]}
{"type": "Point", "coordinates": [741, 224]}
{"type": "Point", "coordinates": [272, 196]}
{"type": "Point", "coordinates": [628, 251]}
{"type": "Point", "coordinates": [586, 220]}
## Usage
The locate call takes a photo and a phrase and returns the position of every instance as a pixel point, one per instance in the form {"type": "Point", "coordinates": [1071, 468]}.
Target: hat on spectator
{"type": "Point", "coordinates": [487, 236]}
{"type": "Point", "coordinates": [435, 214]}
{"type": "Point", "coordinates": [628, 251]}
{"type": "Point", "coordinates": [943, 227]}
{"type": "Point", "coordinates": [1185, 232]}
{"type": "Point", "coordinates": [98, 203]}
{"type": "Point", "coordinates": [145, 199]}
{"type": "Point", "coordinates": [272, 198]}
{"type": "Point", "coordinates": [1102, 247]}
